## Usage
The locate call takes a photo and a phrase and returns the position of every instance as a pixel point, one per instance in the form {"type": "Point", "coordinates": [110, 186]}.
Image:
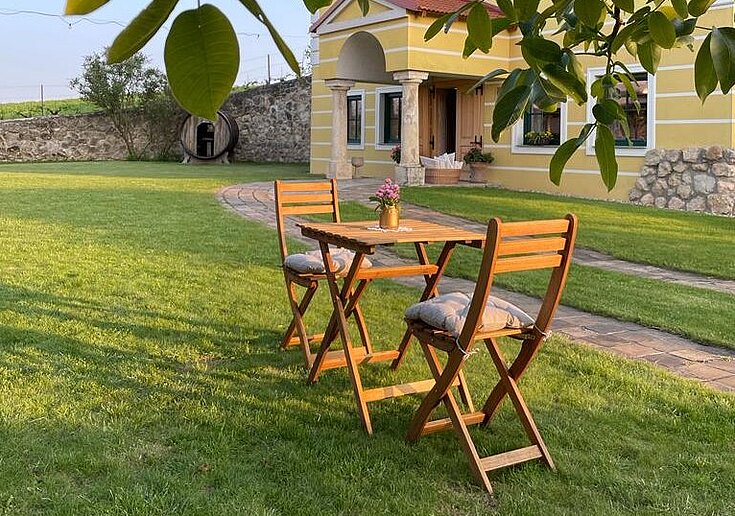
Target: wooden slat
{"type": "Point", "coordinates": [531, 245]}
{"type": "Point", "coordinates": [307, 210]}
{"type": "Point", "coordinates": [296, 341]}
{"type": "Point", "coordinates": [502, 460]}
{"type": "Point", "coordinates": [305, 186]}
{"type": "Point", "coordinates": [335, 359]}
{"type": "Point", "coordinates": [306, 198]}
{"type": "Point", "coordinates": [395, 272]}
{"type": "Point", "coordinates": [534, 227]}
{"type": "Point", "coordinates": [527, 263]}
{"type": "Point", "coordinates": [439, 425]}
{"type": "Point", "coordinates": [394, 391]}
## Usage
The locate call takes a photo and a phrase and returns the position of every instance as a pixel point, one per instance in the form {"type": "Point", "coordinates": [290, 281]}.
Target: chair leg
{"type": "Point", "coordinates": [528, 351]}
{"type": "Point", "coordinates": [442, 393]}
{"type": "Point", "coordinates": [524, 414]}
{"type": "Point", "coordinates": [297, 323]}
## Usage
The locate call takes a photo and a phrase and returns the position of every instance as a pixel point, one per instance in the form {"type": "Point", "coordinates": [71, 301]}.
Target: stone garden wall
{"type": "Point", "coordinates": [274, 120]}
{"type": "Point", "coordinates": [694, 179]}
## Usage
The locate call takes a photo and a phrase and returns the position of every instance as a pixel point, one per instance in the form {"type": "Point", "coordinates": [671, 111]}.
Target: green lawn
{"type": "Point", "coordinates": [139, 374]}
{"type": "Point", "coordinates": [671, 239]}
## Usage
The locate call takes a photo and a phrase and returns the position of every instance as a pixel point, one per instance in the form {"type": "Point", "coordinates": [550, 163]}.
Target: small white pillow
{"type": "Point", "coordinates": [449, 313]}
{"type": "Point", "coordinates": [311, 262]}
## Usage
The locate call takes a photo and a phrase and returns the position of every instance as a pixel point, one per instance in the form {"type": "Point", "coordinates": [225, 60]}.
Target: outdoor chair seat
{"type": "Point", "coordinates": [449, 312]}
{"type": "Point", "coordinates": [311, 262]}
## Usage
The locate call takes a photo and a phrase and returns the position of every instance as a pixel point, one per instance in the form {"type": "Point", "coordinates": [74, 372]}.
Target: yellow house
{"type": "Point", "coordinates": [376, 84]}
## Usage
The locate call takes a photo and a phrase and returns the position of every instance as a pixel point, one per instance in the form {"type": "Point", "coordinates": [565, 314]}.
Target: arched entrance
{"type": "Point", "coordinates": [362, 59]}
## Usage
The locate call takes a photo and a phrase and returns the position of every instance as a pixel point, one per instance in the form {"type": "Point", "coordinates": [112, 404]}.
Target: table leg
{"type": "Point", "coordinates": [432, 280]}
{"type": "Point", "coordinates": [340, 316]}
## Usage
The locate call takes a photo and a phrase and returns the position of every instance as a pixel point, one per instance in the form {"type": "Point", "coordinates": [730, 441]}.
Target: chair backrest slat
{"type": "Point", "coordinates": [312, 209]}
{"type": "Point", "coordinates": [321, 198]}
{"type": "Point", "coordinates": [294, 198]}
{"type": "Point", "coordinates": [531, 245]}
{"type": "Point", "coordinates": [527, 263]}
{"type": "Point", "coordinates": [523, 246]}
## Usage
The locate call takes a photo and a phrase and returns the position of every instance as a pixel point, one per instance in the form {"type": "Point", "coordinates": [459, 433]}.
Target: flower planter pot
{"type": "Point", "coordinates": [479, 172]}
{"type": "Point", "coordinates": [442, 176]}
{"type": "Point", "coordinates": [389, 218]}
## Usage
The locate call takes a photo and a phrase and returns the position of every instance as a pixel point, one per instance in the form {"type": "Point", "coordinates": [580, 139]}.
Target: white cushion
{"type": "Point", "coordinates": [448, 312]}
{"type": "Point", "coordinates": [311, 262]}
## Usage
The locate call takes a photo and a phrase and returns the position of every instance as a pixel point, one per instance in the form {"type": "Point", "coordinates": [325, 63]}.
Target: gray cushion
{"type": "Point", "coordinates": [448, 312]}
{"type": "Point", "coordinates": [311, 262]}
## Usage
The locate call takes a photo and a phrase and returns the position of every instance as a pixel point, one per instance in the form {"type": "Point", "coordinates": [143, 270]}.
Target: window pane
{"type": "Point", "coordinates": [637, 115]}
{"type": "Point", "coordinates": [542, 128]}
{"type": "Point", "coordinates": [354, 120]}
{"type": "Point", "coordinates": [391, 117]}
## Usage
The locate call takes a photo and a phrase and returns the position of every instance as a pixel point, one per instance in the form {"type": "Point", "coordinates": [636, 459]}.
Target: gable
{"type": "Point", "coordinates": [352, 11]}
{"type": "Point", "coordinates": [346, 14]}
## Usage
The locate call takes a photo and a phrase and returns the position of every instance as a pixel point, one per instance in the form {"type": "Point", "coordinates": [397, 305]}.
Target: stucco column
{"type": "Point", "coordinates": [339, 167]}
{"type": "Point", "coordinates": [410, 170]}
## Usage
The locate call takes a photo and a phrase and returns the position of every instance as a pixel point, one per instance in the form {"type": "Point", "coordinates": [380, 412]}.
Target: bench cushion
{"type": "Point", "coordinates": [448, 312]}
{"type": "Point", "coordinates": [311, 262]}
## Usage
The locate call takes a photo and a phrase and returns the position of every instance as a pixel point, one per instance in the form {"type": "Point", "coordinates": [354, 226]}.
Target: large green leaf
{"type": "Point", "coordinates": [283, 48]}
{"type": "Point", "coordinates": [627, 5]}
{"type": "Point", "coordinates": [662, 30]}
{"type": "Point", "coordinates": [509, 108]}
{"type": "Point", "coordinates": [680, 6]}
{"type": "Point", "coordinates": [314, 5]}
{"type": "Point", "coordinates": [140, 30]}
{"type": "Point", "coordinates": [540, 50]}
{"type": "Point", "coordinates": [589, 12]}
{"type": "Point", "coordinates": [722, 48]}
{"type": "Point", "coordinates": [83, 6]}
{"type": "Point", "coordinates": [649, 55]}
{"type": "Point", "coordinates": [364, 6]}
{"type": "Point", "coordinates": [436, 27]}
{"type": "Point", "coordinates": [507, 7]}
{"type": "Point", "coordinates": [705, 76]}
{"type": "Point", "coordinates": [605, 154]}
{"type": "Point", "coordinates": [202, 58]}
{"type": "Point", "coordinates": [564, 153]}
{"type": "Point", "coordinates": [525, 9]}
{"type": "Point", "coordinates": [479, 28]}
{"type": "Point", "coordinates": [699, 7]}
{"type": "Point", "coordinates": [566, 82]}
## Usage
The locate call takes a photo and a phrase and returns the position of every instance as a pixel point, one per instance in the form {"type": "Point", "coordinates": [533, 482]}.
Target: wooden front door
{"type": "Point", "coordinates": [470, 114]}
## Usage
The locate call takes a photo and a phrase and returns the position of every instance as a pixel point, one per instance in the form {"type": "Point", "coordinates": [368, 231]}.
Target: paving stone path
{"type": "Point", "coordinates": [713, 366]}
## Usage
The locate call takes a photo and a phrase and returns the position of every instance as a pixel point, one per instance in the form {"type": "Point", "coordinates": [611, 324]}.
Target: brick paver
{"type": "Point", "coordinates": [714, 367]}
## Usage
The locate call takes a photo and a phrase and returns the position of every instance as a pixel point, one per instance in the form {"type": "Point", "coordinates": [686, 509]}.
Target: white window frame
{"type": "Point", "coordinates": [592, 74]}
{"type": "Point", "coordinates": [517, 146]}
{"type": "Point", "coordinates": [380, 116]}
{"type": "Point", "coordinates": [361, 94]}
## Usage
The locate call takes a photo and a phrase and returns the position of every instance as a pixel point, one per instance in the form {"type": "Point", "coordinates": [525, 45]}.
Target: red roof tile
{"type": "Point", "coordinates": [430, 6]}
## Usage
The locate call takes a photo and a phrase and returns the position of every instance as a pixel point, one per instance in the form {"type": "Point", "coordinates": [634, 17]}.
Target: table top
{"type": "Point", "coordinates": [364, 236]}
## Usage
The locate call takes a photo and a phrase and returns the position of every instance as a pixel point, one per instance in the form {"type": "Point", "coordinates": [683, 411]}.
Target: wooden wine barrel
{"type": "Point", "coordinates": [205, 140]}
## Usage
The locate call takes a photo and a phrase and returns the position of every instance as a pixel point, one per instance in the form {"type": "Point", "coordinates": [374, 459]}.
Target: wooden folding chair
{"type": "Point", "coordinates": [295, 198]}
{"type": "Point", "coordinates": [515, 246]}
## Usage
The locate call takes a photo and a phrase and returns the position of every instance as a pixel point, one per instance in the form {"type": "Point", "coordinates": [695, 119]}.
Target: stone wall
{"type": "Point", "coordinates": [693, 179]}
{"type": "Point", "coordinates": [59, 138]}
{"type": "Point", "coordinates": [274, 120]}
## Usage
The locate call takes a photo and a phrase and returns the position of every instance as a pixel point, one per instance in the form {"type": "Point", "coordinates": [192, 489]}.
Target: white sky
{"type": "Point", "coordinates": [43, 48]}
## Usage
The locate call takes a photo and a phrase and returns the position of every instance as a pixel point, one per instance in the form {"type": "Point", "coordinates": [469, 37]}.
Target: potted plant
{"type": "Point", "coordinates": [388, 197]}
{"type": "Point", "coordinates": [479, 163]}
{"type": "Point", "coordinates": [539, 138]}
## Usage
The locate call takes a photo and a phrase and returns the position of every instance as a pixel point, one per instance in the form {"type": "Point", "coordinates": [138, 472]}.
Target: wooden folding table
{"type": "Point", "coordinates": [363, 238]}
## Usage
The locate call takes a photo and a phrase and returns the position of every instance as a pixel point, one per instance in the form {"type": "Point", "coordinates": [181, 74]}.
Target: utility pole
{"type": "Point", "coordinates": [41, 99]}
{"type": "Point", "coordinates": [269, 68]}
